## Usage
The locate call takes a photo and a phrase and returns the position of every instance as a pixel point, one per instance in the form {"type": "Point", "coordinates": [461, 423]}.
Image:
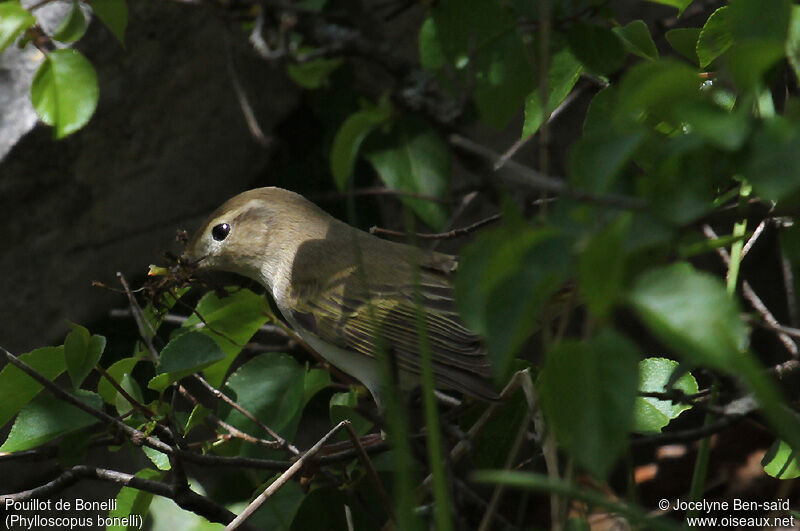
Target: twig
{"type": "Point", "coordinates": [283, 478]}
{"type": "Point", "coordinates": [494, 501]}
{"type": "Point", "coordinates": [232, 430]}
{"type": "Point", "coordinates": [455, 233]}
{"type": "Point", "coordinates": [688, 435]}
{"type": "Point", "coordinates": [185, 498]}
{"type": "Point", "coordinates": [501, 161]}
{"type": "Point", "coordinates": [247, 109]}
{"type": "Point", "coordinates": [367, 462]}
{"type": "Point", "coordinates": [172, 318]}
{"type": "Point", "coordinates": [132, 401]}
{"type": "Point", "coordinates": [225, 398]}
{"type": "Point", "coordinates": [529, 177]}
{"type": "Point", "coordinates": [137, 316]}
{"type": "Point", "coordinates": [753, 237]}
{"type": "Point", "coordinates": [137, 437]}
{"type": "Point", "coordinates": [755, 301]}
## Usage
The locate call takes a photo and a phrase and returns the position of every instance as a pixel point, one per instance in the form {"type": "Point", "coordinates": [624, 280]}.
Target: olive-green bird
{"type": "Point", "coordinates": [342, 289]}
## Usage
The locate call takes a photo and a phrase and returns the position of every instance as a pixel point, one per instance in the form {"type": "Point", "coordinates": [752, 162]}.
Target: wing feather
{"type": "Point", "coordinates": [346, 318]}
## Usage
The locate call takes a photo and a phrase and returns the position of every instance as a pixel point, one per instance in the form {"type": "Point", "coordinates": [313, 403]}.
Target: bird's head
{"type": "Point", "coordinates": [253, 234]}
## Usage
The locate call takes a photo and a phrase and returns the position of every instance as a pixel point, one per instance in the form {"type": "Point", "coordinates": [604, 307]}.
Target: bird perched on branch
{"type": "Point", "coordinates": [348, 294]}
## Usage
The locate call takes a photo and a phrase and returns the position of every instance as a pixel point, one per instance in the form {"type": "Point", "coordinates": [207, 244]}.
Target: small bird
{"type": "Point", "coordinates": [345, 292]}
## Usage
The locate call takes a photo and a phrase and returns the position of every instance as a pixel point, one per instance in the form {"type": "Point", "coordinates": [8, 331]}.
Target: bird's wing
{"type": "Point", "coordinates": [341, 314]}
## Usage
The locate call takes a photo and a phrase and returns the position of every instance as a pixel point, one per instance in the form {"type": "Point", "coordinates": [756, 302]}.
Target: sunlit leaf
{"type": "Point", "coordinates": [48, 417]}
{"type": "Point", "coordinates": [413, 158]}
{"type": "Point", "coordinates": [73, 26]}
{"type": "Point", "coordinates": [650, 415]}
{"type": "Point", "coordinates": [18, 388]}
{"type": "Point", "coordinates": [185, 355]}
{"type": "Point", "coordinates": [14, 19]}
{"type": "Point", "coordinates": [564, 72]}
{"type": "Point", "coordinates": [781, 461]}
{"type": "Point", "coordinates": [350, 136]}
{"type": "Point", "coordinates": [64, 91]}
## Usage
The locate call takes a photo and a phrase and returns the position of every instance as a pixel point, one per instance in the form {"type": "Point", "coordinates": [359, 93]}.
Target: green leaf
{"type": "Point", "coordinates": [130, 386]}
{"type": "Point", "coordinates": [49, 417]}
{"type": "Point", "coordinates": [480, 38]}
{"type": "Point", "coordinates": [313, 74]}
{"type": "Point", "coordinates": [720, 128]}
{"type": "Point", "coordinates": [650, 415]}
{"type": "Point", "coordinates": [159, 459]}
{"type": "Point", "coordinates": [637, 39]}
{"type": "Point", "coordinates": [230, 321]}
{"type": "Point", "coordinates": [591, 420]}
{"type": "Point", "coordinates": [504, 279]}
{"type": "Point", "coordinates": [132, 501]}
{"type": "Point", "coordinates": [792, 41]}
{"type": "Point", "coordinates": [349, 138]}
{"type": "Point", "coordinates": [680, 5]}
{"type": "Point", "coordinates": [431, 56]}
{"type": "Point", "coordinates": [280, 509]}
{"type": "Point", "coordinates": [773, 167]}
{"type": "Point", "coordinates": [564, 72]}
{"type": "Point", "coordinates": [414, 158]}
{"type": "Point", "coordinates": [117, 371]}
{"type": "Point", "coordinates": [73, 26]}
{"type": "Point", "coordinates": [17, 388]}
{"type": "Point", "coordinates": [598, 48]}
{"type": "Point", "coordinates": [185, 355]}
{"type": "Point", "coordinates": [601, 268]}
{"type": "Point", "coordinates": [342, 406]}
{"type": "Point", "coordinates": [760, 38]}
{"type": "Point", "coordinates": [82, 351]}
{"type": "Point", "coordinates": [114, 14]}
{"type": "Point", "coordinates": [781, 461]}
{"type": "Point", "coordinates": [692, 312]}
{"type": "Point", "coordinates": [14, 19]}
{"type": "Point", "coordinates": [64, 91]}
{"type": "Point", "coordinates": [316, 380]}
{"type": "Point", "coordinates": [684, 41]}
{"type": "Point", "coordinates": [323, 508]}
{"type": "Point", "coordinates": [656, 85]}
{"type": "Point", "coordinates": [596, 160]}
{"type": "Point", "coordinates": [715, 37]}
{"type": "Point", "coordinates": [490, 446]}
{"type": "Point", "coordinates": [271, 387]}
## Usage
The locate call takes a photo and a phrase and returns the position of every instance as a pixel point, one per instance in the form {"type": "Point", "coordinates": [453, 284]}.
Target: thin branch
{"type": "Point", "coordinates": [136, 436]}
{"type": "Point", "coordinates": [233, 430]}
{"type": "Point", "coordinates": [244, 103]}
{"type": "Point", "coordinates": [753, 237]}
{"type": "Point", "coordinates": [755, 301]}
{"type": "Point", "coordinates": [455, 233]}
{"type": "Point", "coordinates": [531, 178]}
{"type": "Point", "coordinates": [172, 318]}
{"type": "Point", "coordinates": [185, 498]}
{"type": "Point", "coordinates": [688, 435]}
{"type": "Point", "coordinates": [283, 478]}
{"type": "Point", "coordinates": [505, 157]}
{"type": "Point", "coordinates": [222, 396]}
{"type": "Point", "coordinates": [132, 401]}
{"type": "Point", "coordinates": [367, 462]}
{"type": "Point", "coordinates": [138, 317]}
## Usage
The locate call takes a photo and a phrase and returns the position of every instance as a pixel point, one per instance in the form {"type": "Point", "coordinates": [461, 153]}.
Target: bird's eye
{"type": "Point", "coordinates": [220, 232]}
